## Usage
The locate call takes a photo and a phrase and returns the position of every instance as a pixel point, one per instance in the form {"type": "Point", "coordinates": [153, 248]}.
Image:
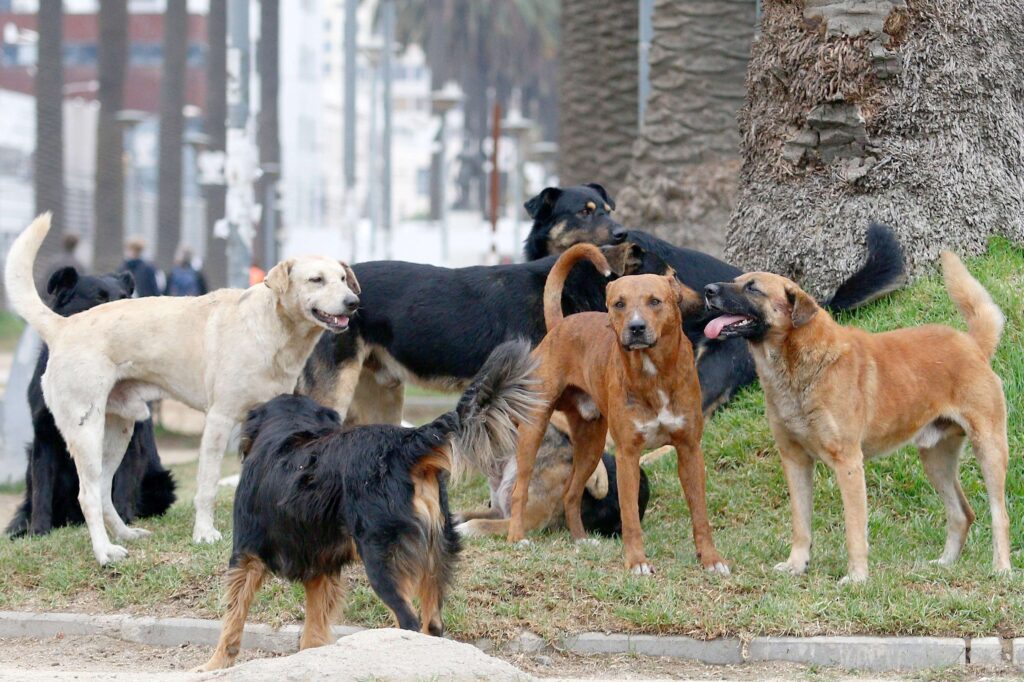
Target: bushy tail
{"type": "Point", "coordinates": [483, 425]}
{"type": "Point", "coordinates": [984, 318]}
{"type": "Point", "coordinates": [883, 272]}
{"type": "Point", "coordinates": [556, 278]}
{"type": "Point", "coordinates": [20, 284]}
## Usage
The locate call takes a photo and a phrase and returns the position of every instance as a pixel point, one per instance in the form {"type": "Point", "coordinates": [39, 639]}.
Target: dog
{"type": "Point", "coordinates": [434, 327]}
{"type": "Point", "coordinates": [629, 372]}
{"type": "Point", "coordinates": [221, 353]}
{"type": "Point", "coordinates": [313, 497]}
{"type": "Point", "coordinates": [566, 216]}
{"type": "Point", "coordinates": [842, 396]}
{"type": "Point", "coordinates": [141, 487]}
{"type": "Point", "coordinates": [599, 507]}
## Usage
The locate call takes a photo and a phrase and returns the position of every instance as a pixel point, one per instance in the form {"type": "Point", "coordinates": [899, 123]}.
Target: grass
{"type": "Point", "coordinates": [11, 327]}
{"type": "Point", "coordinates": [554, 587]}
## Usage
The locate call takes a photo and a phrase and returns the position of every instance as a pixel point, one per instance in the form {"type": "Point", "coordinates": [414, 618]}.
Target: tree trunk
{"type": "Point", "coordinates": [267, 133]}
{"type": "Point", "coordinates": [215, 267]}
{"type": "Point", "coordinates": [597, 91]}
{"type": "Point", "coordinates": [910, 114]}
{"type": "Point", "coordinates": [49, 156]}
{"type": "Point", "coordinates": [172, 124]}
{"type": "Point", "coordinates": [108, 199]}
{"type": "Point", "coordinates": [685, 170]}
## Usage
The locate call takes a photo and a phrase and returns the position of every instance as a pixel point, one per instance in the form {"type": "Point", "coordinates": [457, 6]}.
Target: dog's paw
{"type": "Point", "coordinates": [205, 535]}
{"type": "Point", "coordinates": [853, 579]}
{"type": "Point", "coordinates": [133, 534]}
{"type": "Point", "coordinates": [466, 530]}
{"type": "Point", "coordinates": [524, 543]}
{"type": "Point", "coordinates": [791, 568]}
{"type": "Point", "coordinates": [110, 554]}
{"type": "Point", "coordinates": [643, 568]}
{"type": "Point", "coordinates": [588, 542]}
{"type": "Point", "coordinates": [719, 567]}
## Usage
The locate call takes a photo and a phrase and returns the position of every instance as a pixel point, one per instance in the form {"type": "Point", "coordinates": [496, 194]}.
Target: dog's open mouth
{"type": "Point", "coordinates": [336, 323]}
{"type": "Point", "coordinates": [729, 325]}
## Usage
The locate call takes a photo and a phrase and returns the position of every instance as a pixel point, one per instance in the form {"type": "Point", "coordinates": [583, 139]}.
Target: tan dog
{"type": "Point", "coordinates": [842, 396]}
{"type": "Point", "coordinates": [630, 371]}
{"type": "Point", "coordinates": [222, 353]}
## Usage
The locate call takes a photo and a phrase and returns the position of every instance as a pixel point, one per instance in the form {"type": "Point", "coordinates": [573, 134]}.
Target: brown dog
{"type": "Point", "coordinates": [842, 395]}
{"type": "Point", "coordinates": [630, 371]}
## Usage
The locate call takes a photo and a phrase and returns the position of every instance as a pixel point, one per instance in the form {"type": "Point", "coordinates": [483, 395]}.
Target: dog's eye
{"type": "Point", "coordinates": [751, 288]}
{"type": "Point", "coordinates": [585, 212]}
{"type": "Point", "coordinates": [655, 302]}
{"type": "Point", "coordinates": [316, 280]}
{"type": "Point", "coordinates": [619, 305]}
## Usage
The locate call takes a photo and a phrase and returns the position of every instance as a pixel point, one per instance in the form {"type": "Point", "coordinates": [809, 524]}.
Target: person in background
{"type": "Point", "coordinates": [66, 258]}
{"type": "Point", "coordinates": [144, 272]}
{"type": "Point", "coordinates": [256, 274]}
{"type": "Point", "coordinates": [184, 279]}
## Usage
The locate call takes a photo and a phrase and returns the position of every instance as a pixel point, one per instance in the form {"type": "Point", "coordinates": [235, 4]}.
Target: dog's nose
{"type": "Point", "coordinates": [637, 327]}
{"type": "Point", "coordinates": [351, 303]}
{"type": "Point", "coordinates": [712, 290]}
{"type": "Point", "coordinates": [618, 234]}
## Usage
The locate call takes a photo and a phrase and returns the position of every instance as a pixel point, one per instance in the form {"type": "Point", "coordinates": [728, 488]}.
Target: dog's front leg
{"type": "Point", "coordinates": [849, 470]}
{"type": "Point", "coordinates": [693, 478]}
{"type": "Point", "coordinates": [41, 484]}
{"type": "Point", "coordinates": [211, 451]}
{"type": "Point", "coordinates": [627, 475]}
{"type": "Point", "coordinates": [798, 468]}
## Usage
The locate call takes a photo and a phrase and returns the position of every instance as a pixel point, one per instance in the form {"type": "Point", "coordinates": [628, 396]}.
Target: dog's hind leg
{"type": "Point", "coordinates": [243, 582]}
{"type": "Point", "coordinates": [942, 465]}
{"type": "Point", "coordinates": [988, 436]}
{"type": "Point", "coordinates": [41, 485]}
{"type": "Point", "coordinates": [323, 595]}
{"type": "Point", "coordinates": [116, 435]}
{"type": "Point", "coordinates": [431, 594]}
{"type": "Point", "coordinates": [211, 452]}
{"type": "Point", "coordinates": [387, 582]}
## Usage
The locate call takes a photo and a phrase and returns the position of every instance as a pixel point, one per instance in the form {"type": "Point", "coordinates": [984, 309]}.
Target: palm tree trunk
{"type": "Point", "coordinates": [910, 115]}
{"type": "Point", "coordinates": [49, 156]}
{"type": "Point", "coordinates": [172, 124]}
{"type": "Point", "coordinates": [597, 91]}
{"type": "Point", "coordinates": [269, 142]}
{"type": "Point", "coordinates": [685, 170]}
{"type": "Point", "coordinates": [215, 267]}
{"type": "Point", "coordinates": [108, 199]}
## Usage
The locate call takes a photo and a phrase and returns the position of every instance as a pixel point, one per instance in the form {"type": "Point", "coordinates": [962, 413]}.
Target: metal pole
{"type": "Point", "coordinates": [271, 173]}
{"type": "Point", "coordinates": [442, 164]}
{"type": "Point", "coordinates": [388, 25]}
{"type": "Point", "coordinates": [517, 193]}
{"type": "Point", "coordinates": [646, 8]}
{"type": "Point", "coordinates": [240, 167]}
{"type": "Point", "coordinates": [371, 162]}
{"type": "Point", "coordinates": [495, 181]}
{"type": "Point", "coordinates": [351, 216]}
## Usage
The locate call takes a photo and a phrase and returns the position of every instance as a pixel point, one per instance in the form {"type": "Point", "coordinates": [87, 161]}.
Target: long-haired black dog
{"type": "Point", "coordinates": [141, 487]}
{"type": "Point", "coordinates": [314, 496]}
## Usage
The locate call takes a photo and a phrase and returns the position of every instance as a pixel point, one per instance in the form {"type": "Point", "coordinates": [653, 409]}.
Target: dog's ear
{"type": "Point", "coordinates": [804, 307]}
{"type": "Point", "coordinates": [127, 281]}
{"type": "Point", "coordinates": [689, 301]}
{"type": "Point", "coordinates": [350, 279]}
{"type": "Point", "coordinates": [624, 259]}
{"type": "Point", "coordinates": [603, 192]}
{"type": "Point", "coordinates": [64, 279]}
{"type": "Point", "coordinates": [540, 206]}
{"type": "Point", "coordinates": [280, 276]}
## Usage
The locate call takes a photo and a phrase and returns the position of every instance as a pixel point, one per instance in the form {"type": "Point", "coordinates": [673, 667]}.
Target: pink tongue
{"type": "Point", "coordinates": [715, 326]}
{"type": "Point", "coordinates": [342, 319]}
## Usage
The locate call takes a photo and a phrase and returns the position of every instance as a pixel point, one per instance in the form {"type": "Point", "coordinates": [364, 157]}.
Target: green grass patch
{"type": "Point", "coordinates": [554, 587]}
{"type": "Point", "coordinates": [11, 327]}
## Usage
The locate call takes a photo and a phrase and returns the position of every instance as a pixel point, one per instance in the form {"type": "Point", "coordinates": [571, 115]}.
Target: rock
{"type": "Point", "coordinates": [385, 654]}
{"type": "Point", "coordinates": [852, 17]}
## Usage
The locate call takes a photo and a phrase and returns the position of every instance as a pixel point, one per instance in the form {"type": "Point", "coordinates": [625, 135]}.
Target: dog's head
{"type": "Point", "coordinates": [321, 290]}
{"type": "Point", "coordinates": [286, 419]}
{"type": "Point", "coordinates": [72, 293]}
{"type": "Point", "coordinates": [571, 215]}
{"type": "Point", "coordinates": [756, 306]}
{"type": "Point", "coordinates": [645, 308]}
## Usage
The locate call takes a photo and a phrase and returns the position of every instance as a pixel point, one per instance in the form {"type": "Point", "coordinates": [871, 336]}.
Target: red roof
{"type": "Point", "coordinates": [84, 28]}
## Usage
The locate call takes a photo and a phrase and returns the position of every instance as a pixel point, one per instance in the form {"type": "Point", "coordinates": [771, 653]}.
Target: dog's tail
{"type": "Point", "coordinates": [984, 318]}
{"type": "Point", "coordinates": [883, 272]}
{"type": "Point", "coordinates": [483, 425]}
{"type": "Point", "coordinates": [21, 287]}
{"type": "Point", "coordinates": [556, 278]}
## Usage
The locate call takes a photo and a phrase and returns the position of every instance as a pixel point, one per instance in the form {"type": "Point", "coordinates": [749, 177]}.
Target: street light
{"type": "Point", "coordinates": [545, 153]}
{"type": "Point", "coordinates": [444, 100]}
{"type": "Point", "coordinates": [371, 49]}
{"type": "Point", "coordinates": [127, 121]}
{"type": "Point", "coordinates": [518, 128]}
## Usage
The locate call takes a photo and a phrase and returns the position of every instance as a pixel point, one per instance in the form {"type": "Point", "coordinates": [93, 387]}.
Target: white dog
{"type": "Point", "coordinates": [222, 353]}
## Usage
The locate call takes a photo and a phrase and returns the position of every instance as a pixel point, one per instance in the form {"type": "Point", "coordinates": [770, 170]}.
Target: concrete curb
{"type": "Point", "coordinates": [876, 654]}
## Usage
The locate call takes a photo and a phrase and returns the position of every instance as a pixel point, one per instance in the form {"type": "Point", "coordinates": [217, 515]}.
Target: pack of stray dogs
{"type": "Point", "coordinates": [604, 339]}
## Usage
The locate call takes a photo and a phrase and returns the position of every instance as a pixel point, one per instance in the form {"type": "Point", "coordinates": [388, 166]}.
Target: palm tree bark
{"type": "Point", "coordinates": [909, 114]}
{"type": "Point", "coordinates": [215, 267]}
{"type": "Point", "coordinates": [268, 137]}
{"type": "Point", "coordinates": [597, 91]}
{"type": "Point", "coordinates": [172, 124]}
{"type": "Point", "coordinates": [108, 199]}
{"type": "Point", "coordinates": [685, 169]}
{"type": "Point", "coordinates": [49, 155]}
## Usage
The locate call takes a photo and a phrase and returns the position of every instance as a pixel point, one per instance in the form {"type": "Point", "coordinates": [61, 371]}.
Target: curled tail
{"type": "Point", "coordinates": [883, 272]}
{"type": "Point", "coordinates": [560, 271]}
{"type": "Point", "coordinates": [483, 425]}
{"type": "Point", "coordinates": [20, 284]}
{"type": "Point", "coordinates": [984, 318]}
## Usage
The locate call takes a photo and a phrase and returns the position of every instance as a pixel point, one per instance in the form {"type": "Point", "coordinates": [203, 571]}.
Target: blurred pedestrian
{"type": "Point", "coordinates": [145, 273]}
{"type": "Point", "coordinates": [66, 258]}
{"type": "Point", "coordinates": [184, 279]}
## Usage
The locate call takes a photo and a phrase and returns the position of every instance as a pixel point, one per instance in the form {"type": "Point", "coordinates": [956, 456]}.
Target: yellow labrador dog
{"type": "Point", "coordinates": [222, 353]}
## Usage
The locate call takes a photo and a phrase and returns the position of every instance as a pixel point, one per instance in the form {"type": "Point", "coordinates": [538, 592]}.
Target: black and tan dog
{"type": "Point", "coordinates": [314, 497]}
{"type": "Point", "coordinates": [841, 395]}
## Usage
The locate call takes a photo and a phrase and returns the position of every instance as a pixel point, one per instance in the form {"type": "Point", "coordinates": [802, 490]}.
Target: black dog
{"type": "Point", "coordinates": [314, 497]}
{"type": "Point", "coordinates": [563, 217]}
{"type": "Point", "coordinates": [141, 488]}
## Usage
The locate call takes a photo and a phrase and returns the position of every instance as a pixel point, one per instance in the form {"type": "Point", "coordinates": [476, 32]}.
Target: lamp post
{"type": "Point", "coordinates": [198, 142]}
{"type": "Point", "coordinates": [388, 29]}
{"type": "Point", "coordinates": [371, 49]}
{"type": "Point", "coordinates": [444, 100]}
{"type": "Point", "coordinates": [128, 120]}
{"type": "Point", "coordinates": [518, 128]}
{"type": "Point", "coordinates": [545, 153]}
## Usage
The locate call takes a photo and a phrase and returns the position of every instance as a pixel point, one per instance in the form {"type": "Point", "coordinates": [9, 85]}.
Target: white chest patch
{"type": "Point", "coordinates": [649, 367]}
{"type": "Point", "coordinates": [664, 422]}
